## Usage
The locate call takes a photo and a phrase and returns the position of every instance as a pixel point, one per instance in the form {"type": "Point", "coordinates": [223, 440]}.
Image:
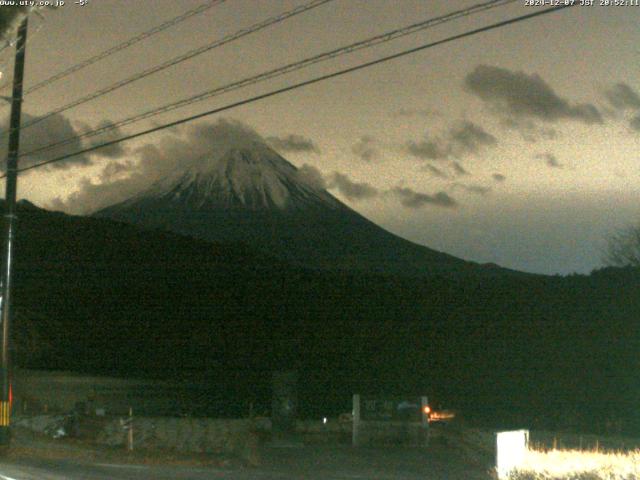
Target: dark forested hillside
{"type": "Point", "coordinates": [103, 297]}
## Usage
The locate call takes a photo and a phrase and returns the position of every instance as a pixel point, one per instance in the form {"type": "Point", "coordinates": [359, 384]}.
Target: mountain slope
{"type": "Point", "coordinates": [251, 194]}
{"type": "Point", "coordinates": [104, 297]}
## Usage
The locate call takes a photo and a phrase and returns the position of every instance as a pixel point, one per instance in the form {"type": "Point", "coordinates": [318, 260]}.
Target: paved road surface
{"type": "Point", "coordinates": [308, 463]}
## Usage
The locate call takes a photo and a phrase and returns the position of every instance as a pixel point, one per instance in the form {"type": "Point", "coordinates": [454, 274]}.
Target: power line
{"type": "Point", "coordinates": [367, 43]}
{"type": "Point", "coordinates": [6, 44]}
{"type": "Point", "coordinates": [302, 84]}
{"type": "Point", "coordinates": [187, 56]}
{"type": "Point", "coordinates": [126, 44]}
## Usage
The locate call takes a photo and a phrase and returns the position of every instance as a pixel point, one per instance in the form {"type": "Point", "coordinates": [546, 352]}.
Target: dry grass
{"type": "Point", "coordinates": [579, 465]}
{"type": "Point", "coordinates": [546, 440]}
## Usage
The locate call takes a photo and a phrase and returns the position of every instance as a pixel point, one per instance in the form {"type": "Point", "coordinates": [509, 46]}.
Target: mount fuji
{"type": "Point", "coordinates": [249, 193]}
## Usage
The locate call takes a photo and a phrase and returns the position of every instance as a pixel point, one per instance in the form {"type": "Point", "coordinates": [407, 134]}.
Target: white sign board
{"type": "Point", "coordinates": [511, 449]}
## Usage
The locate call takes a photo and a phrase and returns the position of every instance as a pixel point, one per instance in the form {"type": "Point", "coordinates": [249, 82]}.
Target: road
{"type": "Point", "coordinates": [309, 463]}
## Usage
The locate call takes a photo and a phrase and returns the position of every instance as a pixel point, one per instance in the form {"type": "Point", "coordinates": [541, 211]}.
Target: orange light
{"type": "Point", "coordinates": [427, 410]}
{"type": "Point", "coordinates": [441, 416]}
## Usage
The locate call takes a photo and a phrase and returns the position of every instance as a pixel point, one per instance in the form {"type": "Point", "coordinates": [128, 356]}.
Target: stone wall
{"type": "Point", "coordinates": [237, 437]}
{"type": "Point", "coordinates": [200, 435]}
{"type": "Point", "coordinates": [333, 431]}
{"type": "Point", "coordinates": [214, 435]}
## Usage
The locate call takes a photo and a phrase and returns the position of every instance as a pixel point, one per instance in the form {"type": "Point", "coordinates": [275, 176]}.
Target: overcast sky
{"type": "Point", "coordinates": [518, 146]}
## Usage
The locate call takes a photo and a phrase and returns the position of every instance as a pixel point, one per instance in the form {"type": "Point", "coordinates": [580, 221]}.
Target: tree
{"type": "Point", "coordinates": [623, 248]}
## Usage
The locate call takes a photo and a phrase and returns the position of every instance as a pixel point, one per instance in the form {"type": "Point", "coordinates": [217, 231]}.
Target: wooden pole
{"type": "Point", "coordinates": [10, 217]}
{"type": "Point", "coordinates": [130, 432]}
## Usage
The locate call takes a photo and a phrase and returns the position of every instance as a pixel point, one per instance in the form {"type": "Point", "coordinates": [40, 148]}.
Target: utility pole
{"type": "Point", "coordinates": [10, 217]}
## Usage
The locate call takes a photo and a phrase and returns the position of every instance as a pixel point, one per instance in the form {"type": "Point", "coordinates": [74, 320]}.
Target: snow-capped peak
{"type": "Point", "coordinates": [251, 176]}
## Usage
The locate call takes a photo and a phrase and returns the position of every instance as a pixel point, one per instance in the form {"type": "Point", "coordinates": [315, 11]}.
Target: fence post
{"type": "Point", "coordinates": [424, 416]}
{"type": "Point", "coordinates": [130, 432]}
{"type": "Point", "coordinates": [355, 440]}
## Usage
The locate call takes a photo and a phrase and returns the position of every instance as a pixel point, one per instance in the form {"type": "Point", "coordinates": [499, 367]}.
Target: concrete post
{"type": "Point", "coordinates": [355, 432]}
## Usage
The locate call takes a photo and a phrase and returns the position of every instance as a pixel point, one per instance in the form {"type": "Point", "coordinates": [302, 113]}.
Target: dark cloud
{"type": "Point", "coordinates": [622, 96]}
{"type": "Point", "coordinates": [635, 123]}
{"type": "Point", "coordinates": [223, 134]}
{"type": "Point", "coordinates": [477, 189]}
{"type": "Point", "coordinates": [445, 171]}
{"type": "Point", "coordinates": [348, 188]}
{"type": "Point", "coordinates": [529, 130]}
{"type": "Point", "coordinates": [110, 133]}
{"type": "Point", "coordinates": [427, 150]}
{"type": "Point", "coordinates": [498, 177]}
{"type": "Point", "coordinates": [412, 199]}
{"type": "Point", "coordinates": [114, 170]}
{"type": "Point", "coordinates": [293, 143]}
{"type": "Point", "coordinates": [520, 94]}
{"type": "Point", "coordinates": [550, 159]}
{"type": "Point", "coordinates": [408, 197]}
{"type": "Point", "coordinates": [470, 137]}
{"type": "Point", "coordinates": [44, 133]}
{"type": "Point", "coordinates": [361, 190]}
{"type": "Point", "coordinates": [459, 169]}
{"type": "Point", "coordinates": [177, 148]}
{"type": "Point", "coordinates": [365, 148]}
{"type": "Point", "coordinates": [351, 190]}
{"type": "Point", "coordinates": [312, 176]}
{"type": "Point", "coordinates": [435, 171]}
{"type": "Point", "coordinates": [459, 140]}
{"type": "Point", "coordinates": [122, 178]}
{"type": "Point", "coordinates": [55, 129]}
{"type": "Point", "coordinates": [553, 162]}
